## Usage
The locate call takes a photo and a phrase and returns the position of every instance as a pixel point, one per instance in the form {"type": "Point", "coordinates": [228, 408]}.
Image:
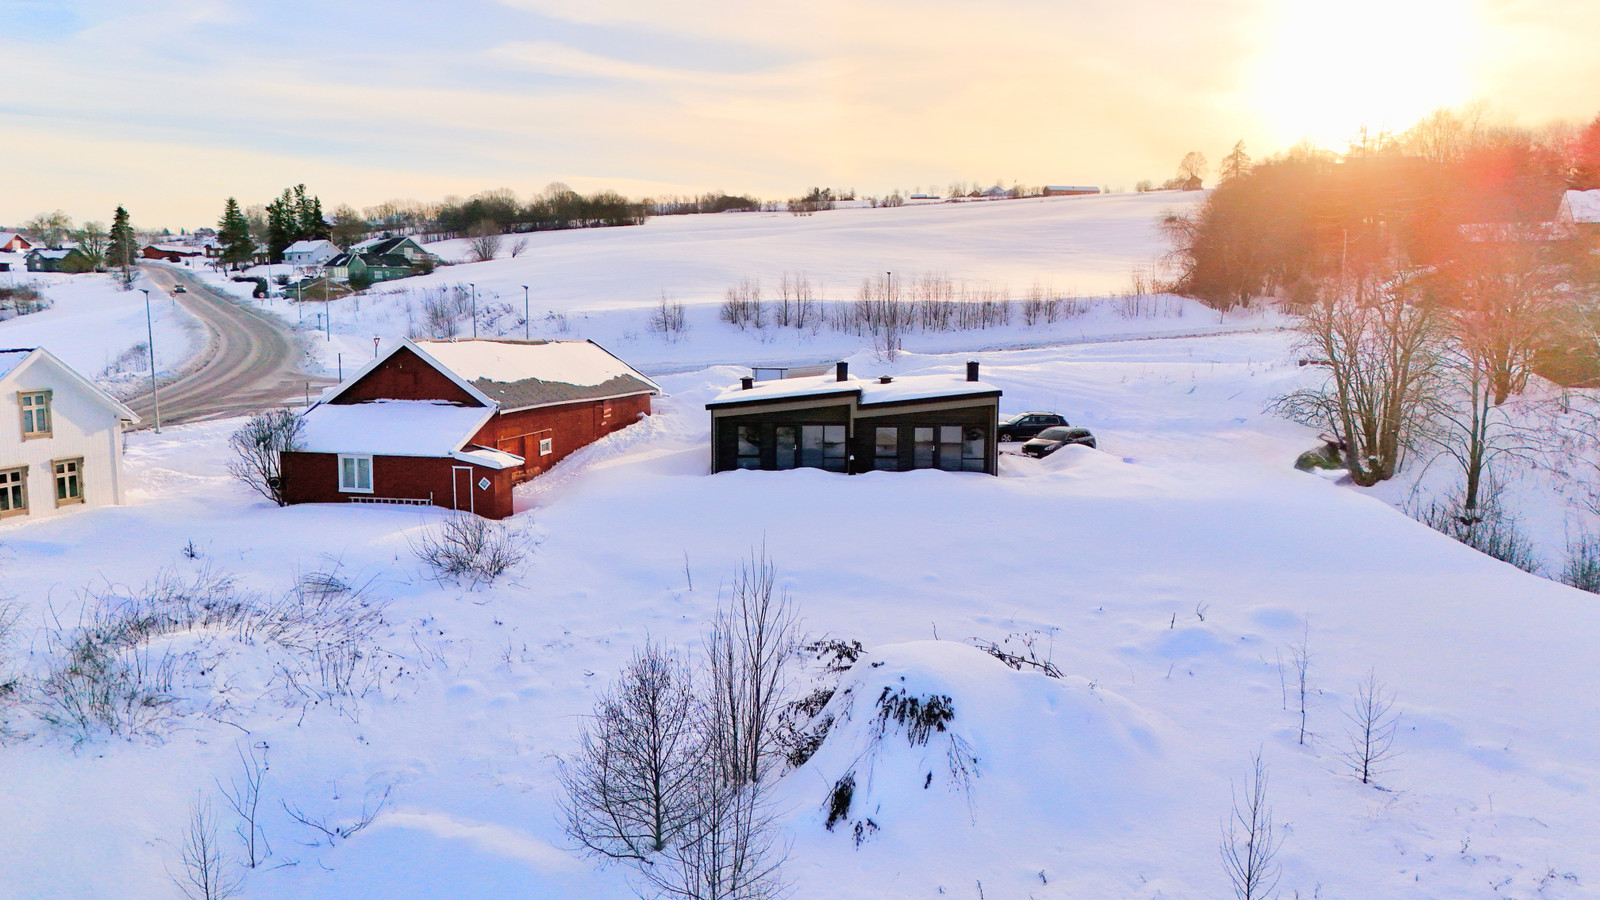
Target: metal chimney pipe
{"type": "Point", "coordinates": [972, 370]}
{"type": "Point", "coordinates": [842, 372]}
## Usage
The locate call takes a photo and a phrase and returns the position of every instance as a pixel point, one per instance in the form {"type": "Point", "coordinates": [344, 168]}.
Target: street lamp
{"type": "Point", "coordinates": [527, 326]}
{"type": "Point", "coordinates": [150, 338]}
{"type": "Point", "coordinates": [474, 309]}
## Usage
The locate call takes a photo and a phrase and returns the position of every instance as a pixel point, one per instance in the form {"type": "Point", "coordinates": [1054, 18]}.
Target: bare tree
{"type": "Point", "coordinates": [258, 447]}
{"type": "Point", "coordinates": [485, 243]}
{"type": "Point", "coordinates": [519, 247]}
{"type": "Point", "coordinates": [1193, 167]}
{"type": "Point", "coordinates": [206, 872]}
{"type": "Point", "coordinates": [630, 791]}
{"type": "Point", "coordinates": [1250, 840]}
{"type": "Point", "coordinates": [729, 851]}
{"type": "Point", "coordinates": [1380, 342]}
{"type": "Point", "coordinates": [243, 796]}
{"type": "Point", "coordinates": [748, 649]}
{"type": "Point", "coordinates": [1373, 724]}
{"type": "Point", "coordinates": [1300, 656]}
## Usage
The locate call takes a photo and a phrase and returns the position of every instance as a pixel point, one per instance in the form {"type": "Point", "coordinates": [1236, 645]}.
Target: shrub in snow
{"type": "Point", "coordinates": [469, 549]}
{"type": "Point", "coordinates": [206, 871]}
{"type": "Point", "coordinates": [1373, 726]}
{"type": "Point", "coordinates": [669, 320]}
{"type": "Point", "coordinates": [1250, 841]}
{"type": "Point", "coordinates": [1488, 530]}
{"type": "Point", "coordinates": [258, 447]}
{"type": "Point", "coordinates": [1582, 569]}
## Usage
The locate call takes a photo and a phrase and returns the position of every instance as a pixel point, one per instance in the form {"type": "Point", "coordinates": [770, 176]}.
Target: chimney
{"type": "Point", "coordinates": [747, 382]}
{"type": "Point", "coordinates": [972, 370]}
{"type": "Point", "coordinates": [842, 372]}
{"type": "Point", "coordinates": [885, 379]}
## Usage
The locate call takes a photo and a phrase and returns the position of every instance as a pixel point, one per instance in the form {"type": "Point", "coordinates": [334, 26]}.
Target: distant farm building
{"type": "Point", "coordinates": [1060, 190]}
{"type": "Point", "coordinates": [70, 260]}
{"type": "Point", "coordinates": [174, 253]}
{"type": "Point", "coordinates": [844, 424]}
{"type": "Point", "coordinates": [458, 423]}
{"type": "Point", "coordinates": [1580, 209]}
{"type": "Point", "coordinates": [11, 242]}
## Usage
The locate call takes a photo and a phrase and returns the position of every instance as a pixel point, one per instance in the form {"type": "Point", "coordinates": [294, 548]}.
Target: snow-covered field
{"type": "Point", "coordinates": [94, 325]}
{"type": "Point", "coordinates": [1167, 572]}
{"type": "Point", "coordinates": [604, 283]}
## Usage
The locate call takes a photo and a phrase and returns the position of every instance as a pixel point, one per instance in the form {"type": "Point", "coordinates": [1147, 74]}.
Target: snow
{"type": "Point", "coordinates": [93, 322]}
{"type": "Point", "coordinates": [873, 390]}
{"type": "Point", "coordinates": [10, 359]}
{"type": "Point", "coordinates": [568, 362]}
{"type": "Point", "coordinates": [1165, 573]}
{"type": "Point", "coordinates": [391, 427]}
{"type": "Point", "coordinates": [1584, 206]}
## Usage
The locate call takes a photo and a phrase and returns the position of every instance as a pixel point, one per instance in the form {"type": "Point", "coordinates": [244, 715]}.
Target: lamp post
{"type": "Point", "coordinates": [474, 309]}
{"type": "Point", "coordinates": [527, 326]}
{"type": "Point", "coordinates": [150, 338]}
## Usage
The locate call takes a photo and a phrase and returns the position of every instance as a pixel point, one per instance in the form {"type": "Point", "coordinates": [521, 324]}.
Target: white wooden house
{"type": "Point", "coordinates": [60, 438]}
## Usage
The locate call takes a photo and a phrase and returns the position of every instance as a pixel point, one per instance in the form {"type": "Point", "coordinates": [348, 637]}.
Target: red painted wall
{"type": "Point", "coordinates": [404, 376]}
{"type": "Point", "coordinates": [314, 478]}
{"type": "Point", "coordinates": [569, 426]}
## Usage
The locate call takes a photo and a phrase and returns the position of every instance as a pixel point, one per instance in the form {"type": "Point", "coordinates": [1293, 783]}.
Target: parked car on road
{"type": "Point", "coordinates": [1023, 426]}
{"type": "Point", "coordinates": [1052, 439]}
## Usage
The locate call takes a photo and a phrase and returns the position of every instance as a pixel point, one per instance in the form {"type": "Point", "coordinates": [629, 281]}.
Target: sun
{"type": "Point", "coordinates": [1330, 69]}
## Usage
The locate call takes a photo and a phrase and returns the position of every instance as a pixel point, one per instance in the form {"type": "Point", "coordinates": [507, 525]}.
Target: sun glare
{"type": "Point", "coordinates": [1330, 69]}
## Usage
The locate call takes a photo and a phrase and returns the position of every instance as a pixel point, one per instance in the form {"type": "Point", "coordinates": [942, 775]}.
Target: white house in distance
{"type": "Point", "coordinates": [309, 253]}
{"type": "Point", "coordinates": [60, 438]}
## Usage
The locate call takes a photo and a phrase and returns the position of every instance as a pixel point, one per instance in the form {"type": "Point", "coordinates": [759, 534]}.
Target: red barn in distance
{"type": "Point", "coordinates": [458, 423]}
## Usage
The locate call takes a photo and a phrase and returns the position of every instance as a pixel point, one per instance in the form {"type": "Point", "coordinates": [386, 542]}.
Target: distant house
{"type": "Point", "coordinates": [12, 262]}
{"type": "Point", "coordinates": [996, 193]}
{"type": "Point", "coordinates": [309, 253]}
{"type": "Point", "coordinates": [458, 423]}
{"type": "Point", "coordinates": [353, 265]}
{"type": "Point", "coordinates": [404, 247]}
{"type": "Point", "coordinates": [173, 253]}
{"type": "Point", "coordinates": [11, 242]}
{"type": "Point", "coordinates": [844, 424]}
{"type": "Point", "coordinates": [60, 437]}
{"type": "Point", "coordinates": [1067, 190]}
{"type": "Point", "coordinates": [70, 259]}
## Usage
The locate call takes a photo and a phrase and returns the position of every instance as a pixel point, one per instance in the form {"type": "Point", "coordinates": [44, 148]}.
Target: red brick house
{"type": "Point", "coordinates": [459, 423]}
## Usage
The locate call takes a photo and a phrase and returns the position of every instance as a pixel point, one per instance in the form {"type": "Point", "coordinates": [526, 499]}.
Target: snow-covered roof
{"type": "Point", "coordinates": [10, 359]}
{"type": "Point", "coordinates": [1581, 207]}
{"type": "Point", "coordinates": [869, 391]}
{"type": "Point", "coordinates": [392, 427]}
{"type": "Point", "coordinates": [7, 237]}
{"type": "Point", "coordinates": [308, 247]}
{"type": "Point", "coordinates": [54, 253]}
{"type": "Point", "coordinates": [519, 374]}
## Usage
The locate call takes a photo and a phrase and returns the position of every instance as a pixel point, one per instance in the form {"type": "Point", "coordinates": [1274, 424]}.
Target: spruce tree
{"type": "Point", "coordinates": [1235, 163]}
{"type": "Point", "coordinates": [283, 224]}
{"type": "Point", "coordinates": [233, 235]}
{"type": "Point", "coordinates": [123, 247]}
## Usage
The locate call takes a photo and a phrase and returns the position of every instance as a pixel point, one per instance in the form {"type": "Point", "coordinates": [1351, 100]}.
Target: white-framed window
{"type": "Point", "coordinates": [14, 491]}
{"type": "Point", "coordinates": [35, 413]}
{"type": "Point", "coordinates": [69, 480]}
{"type": "Point", "coordinates": [355, 474]}
{"type": "Point", "coordinates": [546, 446]}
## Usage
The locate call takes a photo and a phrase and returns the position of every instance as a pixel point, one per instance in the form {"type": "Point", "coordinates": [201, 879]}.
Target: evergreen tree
{"type": "Point", "coordinates": [283, 225]}
{"type": "Point", "coordinates": [233, 235]}
{"type": "Point", "coordinates": [123, 247]}
{"type": "Point", "coordinates": [1235, 163]}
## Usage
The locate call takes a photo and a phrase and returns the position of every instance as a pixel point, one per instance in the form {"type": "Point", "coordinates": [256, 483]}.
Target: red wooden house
{"type": "Point", "coordinates": [459, 423]}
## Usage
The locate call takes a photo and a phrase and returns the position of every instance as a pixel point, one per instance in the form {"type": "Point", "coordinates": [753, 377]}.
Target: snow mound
{"type": "Point", "coordinates": [940, 752]}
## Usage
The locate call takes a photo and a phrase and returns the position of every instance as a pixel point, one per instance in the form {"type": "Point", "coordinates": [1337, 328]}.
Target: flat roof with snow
{"type": "Point", "coordinates": [868, 391]}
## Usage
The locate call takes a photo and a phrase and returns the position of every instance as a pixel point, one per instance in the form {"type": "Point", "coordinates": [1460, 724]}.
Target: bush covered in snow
{"type": "Point", "coordinates": [468, 549]}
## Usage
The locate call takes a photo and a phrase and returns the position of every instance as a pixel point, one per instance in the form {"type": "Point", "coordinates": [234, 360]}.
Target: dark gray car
{"type": "Point", "coordinates": [1052, 439]}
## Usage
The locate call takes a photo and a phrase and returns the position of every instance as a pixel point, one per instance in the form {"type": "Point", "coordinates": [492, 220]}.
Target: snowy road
{"type": "Point", "coordinates": [249, 362]}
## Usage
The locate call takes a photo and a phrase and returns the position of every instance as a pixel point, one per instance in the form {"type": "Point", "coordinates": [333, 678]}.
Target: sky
{"type": "Point", "coordinates": [171, 106]}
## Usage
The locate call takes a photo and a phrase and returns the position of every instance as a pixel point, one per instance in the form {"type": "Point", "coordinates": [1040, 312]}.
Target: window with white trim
{"type": "Point", "coordinates": [35, 413]}
{"type": "Point", "coordinates": [14, 491]}
{"type": "Point", "coordinates": [355, 474]}
{"type": "Point", "coordinates": [546, 446]}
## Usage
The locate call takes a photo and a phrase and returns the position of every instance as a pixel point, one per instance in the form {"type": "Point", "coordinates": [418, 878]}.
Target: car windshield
{"type": "Point", "coordinates": [1055, 434]}
{"type": "Point", "coordinates": [1016, 419]}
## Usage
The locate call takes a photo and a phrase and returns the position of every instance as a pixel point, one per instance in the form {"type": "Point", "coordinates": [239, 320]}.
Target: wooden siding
{"type": "Point", "coordinates": [80, 427]}
{"type": "Point", "coordinates": [314, 478]}
{"type": "Point", "coordinates": [569, 426]}
{"type": "Point", "coordinates": [404, 376]}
